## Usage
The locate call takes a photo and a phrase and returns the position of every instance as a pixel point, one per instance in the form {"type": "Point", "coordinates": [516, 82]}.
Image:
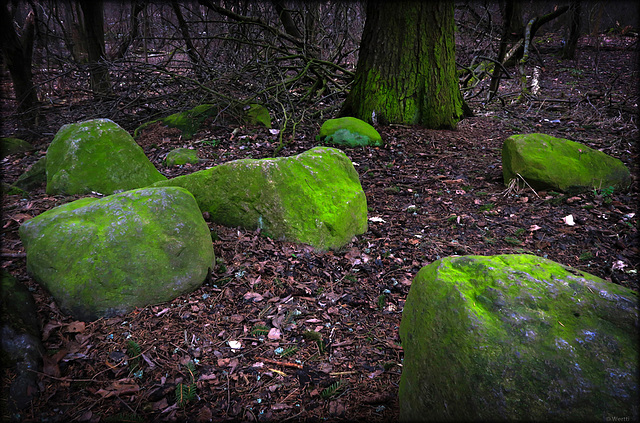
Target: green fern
{"type": "Point", "coordinates": [289, 351]}
{"type": "Point", "coordinates": [312, 335]}
{"type": "Point", "coordinates": [134, 352]}
{"type": "Point", "coordinates": [259, 330]}
{"type": "Point", "coordinates": [124, 417]}
{"type": "Point", "coordinates": [186, 392]}
{"type": "Point", "coordinates": [332, 389]}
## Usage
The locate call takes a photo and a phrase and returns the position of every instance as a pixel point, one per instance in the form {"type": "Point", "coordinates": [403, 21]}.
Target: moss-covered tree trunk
{"type": "Point", "coordinates": [406, 70]}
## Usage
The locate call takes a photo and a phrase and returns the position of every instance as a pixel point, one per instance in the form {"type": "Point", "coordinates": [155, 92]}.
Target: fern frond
{"type": "Point", "coordinates": [332, 389]}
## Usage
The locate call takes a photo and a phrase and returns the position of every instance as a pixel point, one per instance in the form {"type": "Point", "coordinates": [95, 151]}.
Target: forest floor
{"type": "Point", "coordinates": [431, 194]}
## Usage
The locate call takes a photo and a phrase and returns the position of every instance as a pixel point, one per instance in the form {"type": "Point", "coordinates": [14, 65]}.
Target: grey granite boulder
{"type": "Point", "coordinates": [517, 337]}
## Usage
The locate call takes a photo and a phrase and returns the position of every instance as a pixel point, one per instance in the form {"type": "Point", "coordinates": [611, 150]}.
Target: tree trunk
{"type": "Point", "coordinates": [94, 28]}
{"type": "Point", "coordinates": [17, 57]}
{"type": "Point", "coordinates": [406, 69]}
{"type": "Point", "coordinates": [575, 10]}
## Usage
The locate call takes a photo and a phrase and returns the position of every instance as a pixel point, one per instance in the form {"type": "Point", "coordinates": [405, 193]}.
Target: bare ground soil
{"type": "Point", "coordinates": [436, 193]}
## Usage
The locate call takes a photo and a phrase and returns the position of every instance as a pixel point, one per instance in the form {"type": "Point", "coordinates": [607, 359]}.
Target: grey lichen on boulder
{"type": "Point", "coordinates": [97, 155]}
{"type": "Point", "coordinates": [546, 162]}
{"type": "Point", "coordinates": [350, 132]}
{"type": "Point", "coordinates": [517, 337]}
{"type": "Point", "coordinates": [181, 156]}
{"type": "Point", "coordinates": [313, 198]}
{"type": "Point", "coordinates": [103, 257]}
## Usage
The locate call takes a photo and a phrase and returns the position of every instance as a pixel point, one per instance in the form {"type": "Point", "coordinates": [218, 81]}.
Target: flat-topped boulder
{"type": "Point", "coordinates": [97, 155]}
{"type": "Point", "coordinates": [314, 197]}
{"type": "Point", "coordinates": [550, 163]}
{"type": "Point", "coordinates": [517, 337]}
{"type": "Point", "coordinates": [107, 256]}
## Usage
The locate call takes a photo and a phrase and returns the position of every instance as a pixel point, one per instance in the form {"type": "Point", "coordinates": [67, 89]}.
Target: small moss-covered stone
{"type": "Point", "coordinates": [34, 177]}
{"type": "Point", "coordinates": [546, 162]}
{"type": "Point", "coordinates": [349, 131]}
{"type": "Point", "coordinates": [11, 145]}
{"type": "Point", "coordinates": [102, 257]}
{"type": "Point", "coordinates": [313, 198]}
{"type": "Point", "coordinates": [189, 121]}
{"type": "Point", "coordinates": [97, 155]}
{"type": "Point", "coordinates": [517, 337]}
{"type": "Point", "coordinates": [257, 114]}
{"type": "Point", "coordinates": [181, 156]}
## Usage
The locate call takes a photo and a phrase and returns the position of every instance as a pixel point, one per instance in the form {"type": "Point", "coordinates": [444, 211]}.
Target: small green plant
{"type": "Point", "coordinates": [135, 353]}
{"type": "Point", "coordinates": [487, 207]}
{"type": "Point", "coordinates": [605, 194]}
{"type": "Point", "coordinates": [289, 351]}
{"type": "Point", "coordinates": [211, 142]}
{"type": "Point", "coordinates": [382, 301]}
{"type": "Point", "coordinates": [259, 330]}
{"type": "Point", "coordinates": [519, 231]}
{"type": "Point", "coordinates": [312, 335]}
{"type": "Point", "coordinates": [187, 392]}
{"type": "Point", "coordinates": [124, 417]}
{"type": "Point", "coordinates": [512, 240]}
{"type": "Point", "coordinates": [332, 389]}
{"type": "Point", "coordinates": [586, 255]}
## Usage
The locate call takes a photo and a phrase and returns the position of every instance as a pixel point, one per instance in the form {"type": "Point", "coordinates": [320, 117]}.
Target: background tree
{"type": "Point", "coordinates": [406, 70]}
{"type": "Point", "coordinates": [17, 54]}
{"type": "Point", "coordinates": [94, 28]}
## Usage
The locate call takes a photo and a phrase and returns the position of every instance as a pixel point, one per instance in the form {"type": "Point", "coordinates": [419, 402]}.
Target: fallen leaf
{"type": "Point", "coordinates": [75, 327]}
{"type": "Point", "coordinates": [253, 296]}
{"type": "Point", "coordinates": [534, 228]}
{"type": "Point", "coordinates": [569, 220]}
{"type": "Point", "coordinates": [274, 333]}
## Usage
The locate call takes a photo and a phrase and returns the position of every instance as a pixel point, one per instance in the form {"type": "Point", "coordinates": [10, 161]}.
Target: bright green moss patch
{"type": "Point", "coordinates": [181, 156]}
{"type": "Point", "coordinates": [517, 337]}
{"type": "Point", "coordinates": [349, 131]}
{"type": "Point", "coordinates": [257, 114]}
{"type": "Point", "coordinates": [314, 197]}
{"type": "Point", "coordinates": [546, 162]}
{"type": "Point", "coordinates": [102, 257]}
{"type": "Point", "coordinates": [96, 155]}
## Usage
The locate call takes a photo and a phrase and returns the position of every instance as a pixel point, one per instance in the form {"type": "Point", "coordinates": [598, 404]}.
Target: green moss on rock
{"type": "Point", "coordinates": [181, 156]}
{"type": "Point", "coordinates": [517, 337]}
{"type": "Point", "coordinates": [546, 162]}
{"type": "Point", "coordinates": [102, 257]}
{"type": "Point", "coordinates": [349, 131]}
{"type": "Point", "coordinates": [34, 177]}
{"type": "Point", "coordinates": [314, 197]}
{"type": "Point", "coordinates": [11, 145]}
{"type": "Point", "coordinates": [257, 114]}
{"type": "Point", "coordinates": [96, 155]}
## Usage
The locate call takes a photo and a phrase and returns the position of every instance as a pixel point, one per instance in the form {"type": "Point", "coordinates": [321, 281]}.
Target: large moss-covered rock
{"type": "Point", "coordinates": [313, 198]}
{"type": "Point", "coordinates": [20, 341]}
{"type": "Point", "coordinates": [517, 337]}
{"type": "Point", "coordinates": [102, 257]}
{"type": "Point", "coordinates": [349, 131]}
{"type": "Point", "coordinates": [97, 155]}
{"type": "Point", "coordinates": [546, 162]}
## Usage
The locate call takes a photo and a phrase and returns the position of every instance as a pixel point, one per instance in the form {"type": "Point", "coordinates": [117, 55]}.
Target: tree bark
{"type": "Point", "coordinates": [17, 57]}
{"type": "Point", "coordinates": [575, 10]}
{"type": "Point", "coordinates": [119, 53]}
{"type": "Point", "coordinates": [94, 28]}
{"type": "Point", "coordinates": [184, 30]}
{"type": "Point", "coordinates": [406, 69]}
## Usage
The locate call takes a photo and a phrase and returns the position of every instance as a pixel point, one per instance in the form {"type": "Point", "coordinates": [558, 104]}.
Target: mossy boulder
{"type": "Point", "coordinates": [546, 162]}
{"type": "Point", "coordinates": [33, 177]}
{"type": "Point", "coordinates": [191, 121]}
{"type": "Point", "coordinates": [97, 155]}
{"type": "Point", "coordinates": [313, 198]}
{"type": "Point", "coordinates": [181, 156]}
{"type": "Point", "coordinates": [20, 340]}
{"type": "Point", "coordinates": [350, 132]}
{"type": "Point", "coordinates": [11, 145]}
{"type": "Point", "coordinates": [517, 337]}
{"type": "Point", "coordinates": [257, 114]}
{"type": "Point", "coordinates": [107, 256]}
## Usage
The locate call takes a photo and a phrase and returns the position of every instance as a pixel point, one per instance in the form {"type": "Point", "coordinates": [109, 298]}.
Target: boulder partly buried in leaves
{"type": "Point", "coordinates": [181, 156]}
{"type": "Point", "coordinates": [546, 162]}
{"type": "Point", "coordinates": [33, 177]}
{"type": "Point", "coordinates": [313, 198]}
{"type": "Point", "coordinates": [517, 337]}
{"type": "Point", "coordinates": [350, 132]}
{"type": "Point", "coordinates": [103, 257]}
{"type": "Point", "coordinates": [97, 155]}
{"type": "Point", "coordinates": [20, 340]}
